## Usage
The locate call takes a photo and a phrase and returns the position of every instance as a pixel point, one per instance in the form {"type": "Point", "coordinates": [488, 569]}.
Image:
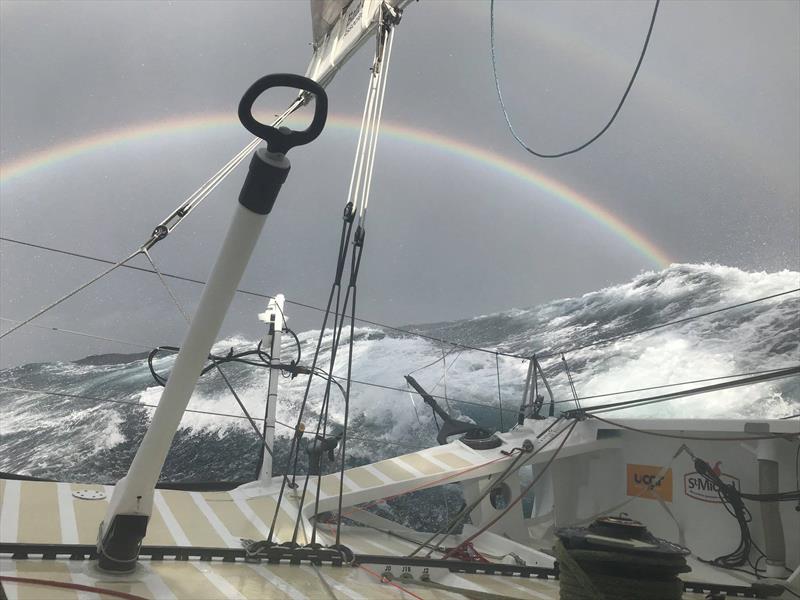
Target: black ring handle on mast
{"type": "Point", "coordinates": [284, 139]}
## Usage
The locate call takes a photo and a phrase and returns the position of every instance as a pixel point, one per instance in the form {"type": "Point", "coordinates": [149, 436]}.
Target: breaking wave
{"type": "Point", "coordinates": [70, 437]}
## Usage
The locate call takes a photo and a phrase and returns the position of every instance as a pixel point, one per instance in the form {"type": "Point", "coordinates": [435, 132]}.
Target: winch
{"type": "Point", "coordinates": [617, 557]}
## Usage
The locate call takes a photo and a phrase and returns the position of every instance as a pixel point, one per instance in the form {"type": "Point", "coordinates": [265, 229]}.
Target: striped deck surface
{"type": "Point", "coordinates": [50, 513]}
{"type": "Point", "coordinates": [46, 512]}
{"type": "Point", "coordinates": [39, 512]}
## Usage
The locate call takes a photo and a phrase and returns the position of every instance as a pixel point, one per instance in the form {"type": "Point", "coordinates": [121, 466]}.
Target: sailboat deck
{"type": "Point", "coordinates": [48, 512]}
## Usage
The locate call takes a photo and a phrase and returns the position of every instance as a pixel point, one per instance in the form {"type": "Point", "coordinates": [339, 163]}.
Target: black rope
{"type": "Point", "coordinates": [354, 269]}
{"type": "Point", "coordinates": [344, 241]}
{"type": "Point", "coordinates": [338, 327]}
{"type": "Point", "coordinates": [613, 116]}
{"type": "Point", "coordinates": [731, 499]}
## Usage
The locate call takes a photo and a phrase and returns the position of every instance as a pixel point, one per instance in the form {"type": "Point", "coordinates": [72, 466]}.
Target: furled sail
{"type": "Point", "coordinates": [339, 28]}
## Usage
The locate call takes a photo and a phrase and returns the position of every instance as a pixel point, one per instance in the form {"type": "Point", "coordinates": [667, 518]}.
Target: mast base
{"type": "Point", "coordinates": [118, 551]}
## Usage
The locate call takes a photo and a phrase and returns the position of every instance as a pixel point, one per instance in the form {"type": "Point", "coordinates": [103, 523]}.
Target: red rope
{"type": "Point", "coordinates": [390, 582]}
{"type": "Point", "coordinates": [71, 586]}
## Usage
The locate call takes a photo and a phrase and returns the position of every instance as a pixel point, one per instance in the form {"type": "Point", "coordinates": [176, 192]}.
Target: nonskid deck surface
{"type": "Point", "coordinates": [217, 580]}
{"type": "Point", "coordinates": [49, 513]}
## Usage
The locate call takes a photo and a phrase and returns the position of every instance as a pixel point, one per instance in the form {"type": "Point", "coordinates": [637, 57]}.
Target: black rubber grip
{"type": "Point", "coordinates": [282, 140]}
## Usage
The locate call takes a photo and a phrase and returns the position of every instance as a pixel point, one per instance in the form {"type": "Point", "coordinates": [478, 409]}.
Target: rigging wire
{"type": "Point", "coordinates": [780, 374]}
{"type": "Point", "coordinates": [257, 295]}
{"type": "Point", "coordinates": [668, 385]}
{"type": "Point", "coordinates": [670, 323]}
{"type": "Point", "coordinates": [410, 392]}
{"type": "Point", "coordinates": [696, 438]}
{"type": "Point", "coordinates": [524, 491]}
{"type": "Point", "coordinates": [191, 410]}
{"type": "Point", "coordinates": [169, 223]}
{"type": "Point", "coordinates": [411, 332]}
{"type": "Point", "coordinates": [68, 295]}
{"type": "Point", "coordinates": [84, 334]}
{"type": "Point", "coordinates": [499, 395]}
{"type": "Point", "coordinates": [613, 116]}
{"type": "Point", "coordinates": [467, 402]}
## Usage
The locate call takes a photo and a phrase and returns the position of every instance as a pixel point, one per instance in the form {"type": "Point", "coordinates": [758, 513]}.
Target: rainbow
{"type": "Point", "coordinates": [37, 161]}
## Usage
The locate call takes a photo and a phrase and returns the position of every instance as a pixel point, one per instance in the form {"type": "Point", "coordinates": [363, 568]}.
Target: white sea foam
{"type": "Point", "coordinates": [758, 336]}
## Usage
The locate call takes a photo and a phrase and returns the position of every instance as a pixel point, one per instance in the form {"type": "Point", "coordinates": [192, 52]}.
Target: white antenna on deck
{"type": "Point", "coordinates": [275, 319]}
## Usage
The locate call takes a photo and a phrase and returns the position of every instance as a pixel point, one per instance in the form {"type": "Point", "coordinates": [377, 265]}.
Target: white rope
{"type": "Point", "coordinates": [384, 78]}
{"type": "Point", "coordinates": [361, 133]}
{"type": "Point", "coordinates": [363, 164]}
{"type": "Point", "coordinates": [203, 191]}
{"type": "Point", "coordinates": [364, 139]}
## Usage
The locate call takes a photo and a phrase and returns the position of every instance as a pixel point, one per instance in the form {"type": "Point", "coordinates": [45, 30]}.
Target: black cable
{"type": "Point", "coordinates": [338, 325]}
{"type": "Point", "coordinates": [613, 116]}
{"type": "Point", "coordinates": [297, 343]}
{"type": "Point", "coordinates": [732, 501]}
{"type": "Point", "coordinates": [430, 364]}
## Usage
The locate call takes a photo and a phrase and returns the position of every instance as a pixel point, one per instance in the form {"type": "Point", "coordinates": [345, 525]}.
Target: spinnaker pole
{"type": "Point", "coordinates": [131, 504]}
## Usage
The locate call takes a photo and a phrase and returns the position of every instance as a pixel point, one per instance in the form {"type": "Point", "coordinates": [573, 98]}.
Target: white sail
{"type": "Point", "coordinates": [339, 28]}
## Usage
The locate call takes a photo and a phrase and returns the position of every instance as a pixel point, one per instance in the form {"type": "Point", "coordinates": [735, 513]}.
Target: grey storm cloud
{"type": "Point", "coordinates": [701, 163]}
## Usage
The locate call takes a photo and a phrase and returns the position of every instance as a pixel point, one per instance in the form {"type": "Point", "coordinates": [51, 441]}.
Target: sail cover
{"type": "Point", "coordinates": [339, 28]}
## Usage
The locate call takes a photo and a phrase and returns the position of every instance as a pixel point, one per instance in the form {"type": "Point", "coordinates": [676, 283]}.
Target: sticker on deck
{"type": "Point", "coordinates": [698, 487]}
{"type": "Point", "coordinates": [644, 482]}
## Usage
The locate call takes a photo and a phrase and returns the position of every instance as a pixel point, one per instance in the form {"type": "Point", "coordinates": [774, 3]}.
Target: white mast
{"type": "Point", "coordinates": [275, 319]}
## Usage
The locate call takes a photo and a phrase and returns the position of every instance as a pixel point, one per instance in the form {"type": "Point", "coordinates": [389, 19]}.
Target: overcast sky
{"type": "Point", "coordinates": [702, 161]}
